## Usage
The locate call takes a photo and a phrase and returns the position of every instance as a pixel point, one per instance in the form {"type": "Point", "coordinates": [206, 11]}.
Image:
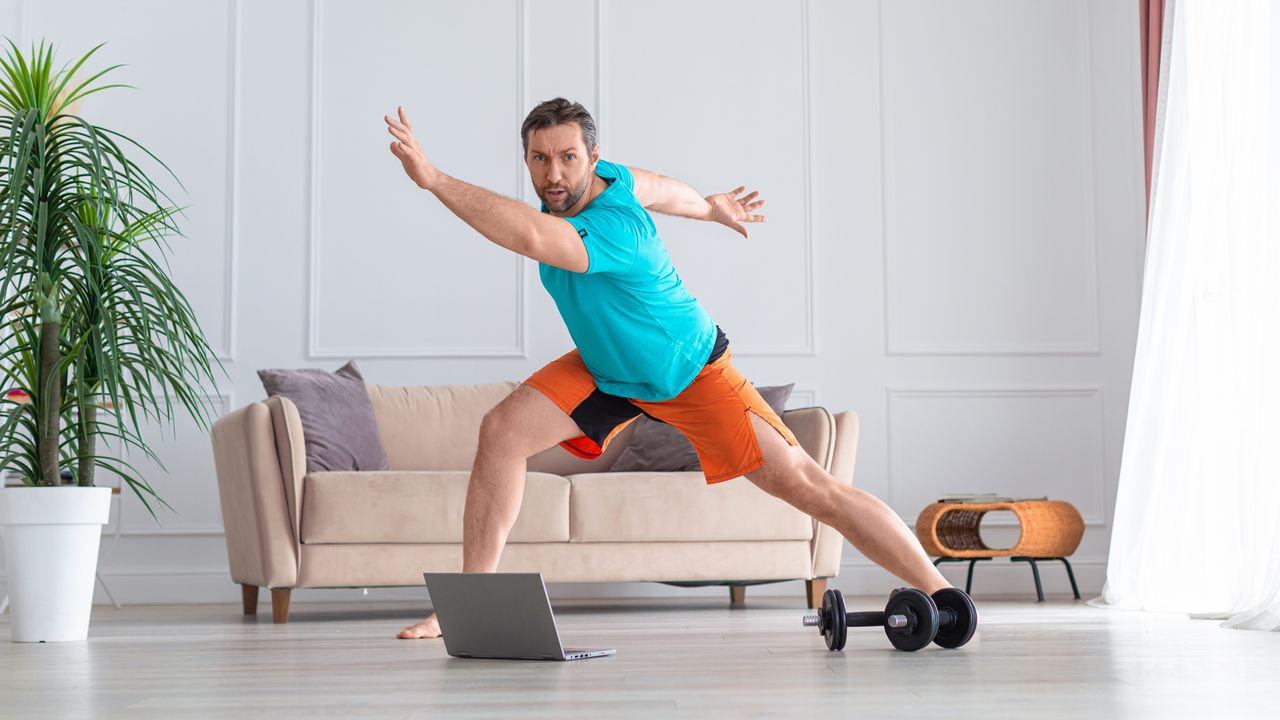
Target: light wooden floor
{"type": "Point", "coordinates": [696, 657]}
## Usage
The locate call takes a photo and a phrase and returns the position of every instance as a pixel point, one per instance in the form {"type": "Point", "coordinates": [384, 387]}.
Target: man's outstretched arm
{"type": "Point", "coordinates": [670, 196]}
{"type": "Point", "coordinates": [505, 222]}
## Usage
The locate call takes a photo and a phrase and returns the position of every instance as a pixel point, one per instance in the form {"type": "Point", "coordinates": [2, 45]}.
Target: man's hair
{"type": "Point", "coordinates": [559, 112]}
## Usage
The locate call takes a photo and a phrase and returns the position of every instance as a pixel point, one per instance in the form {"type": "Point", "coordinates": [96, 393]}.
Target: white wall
{"type": "Point", "coordinates": [954, 248]}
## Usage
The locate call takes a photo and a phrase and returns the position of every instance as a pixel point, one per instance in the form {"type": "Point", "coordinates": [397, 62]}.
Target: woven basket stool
{"type": "Point", "coordinates": [1051, 530]}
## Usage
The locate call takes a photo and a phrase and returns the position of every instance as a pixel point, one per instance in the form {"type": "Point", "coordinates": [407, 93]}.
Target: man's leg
{"type": "Point", "coordinates": [870, 525]}
{"type": "Point", "coordinates": [521, 426]}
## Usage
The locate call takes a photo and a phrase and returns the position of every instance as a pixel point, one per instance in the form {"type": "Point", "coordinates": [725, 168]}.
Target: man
{"type": "Point", "coordinates": [644, 344]}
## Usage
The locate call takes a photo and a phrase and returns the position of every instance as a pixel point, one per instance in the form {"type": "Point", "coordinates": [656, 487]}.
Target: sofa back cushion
{"type": "Point", "coordinates": [433, 427]}
{"type": "Point", "coordinates": [437, 427]}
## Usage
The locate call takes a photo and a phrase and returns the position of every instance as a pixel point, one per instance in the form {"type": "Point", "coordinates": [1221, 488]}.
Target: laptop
{"type": "Point", "coordinates": [499, 615]}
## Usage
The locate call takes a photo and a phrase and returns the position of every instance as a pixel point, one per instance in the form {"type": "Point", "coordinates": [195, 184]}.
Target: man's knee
{"type": "Point", "coordinates": [501, 431]}
{"type": "Point", "coordinates": [783, 475]}
{"type": "Point", "coordinates": [795, 478]}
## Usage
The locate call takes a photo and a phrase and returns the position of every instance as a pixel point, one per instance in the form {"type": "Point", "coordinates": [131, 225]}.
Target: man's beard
{"type": "Point", "coordinates": [571, 196]}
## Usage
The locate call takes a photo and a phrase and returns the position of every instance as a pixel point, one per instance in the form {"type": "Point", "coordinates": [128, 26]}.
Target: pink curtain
{"type": "Point", "coordinates": [1151, 28]}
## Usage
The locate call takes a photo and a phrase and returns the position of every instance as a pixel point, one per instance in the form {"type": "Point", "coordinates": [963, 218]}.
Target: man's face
{"type": "Point", "coordinates": [560, 167]}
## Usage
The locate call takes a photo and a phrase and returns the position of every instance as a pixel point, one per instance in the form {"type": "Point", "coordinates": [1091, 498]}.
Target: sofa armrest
{"type": "Point", "coordinates": [828, 543]}
{"type": "Point", "coordinates": [291, 449]}
{"type": "Point", "coordinates": [261, 543]}
{"type": "Point", "coordinates": [815, 428]}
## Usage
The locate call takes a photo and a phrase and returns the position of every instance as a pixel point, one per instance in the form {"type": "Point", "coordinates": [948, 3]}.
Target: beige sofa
{"type": "Point", "coordinates": [288, 529]}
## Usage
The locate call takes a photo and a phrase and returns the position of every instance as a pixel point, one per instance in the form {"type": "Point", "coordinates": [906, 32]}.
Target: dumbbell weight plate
{"type": "Point", "coordinates": [966, 617]}
{"type": "Point", "coordinates": [922, 619]}
{"type": "Point", "coordinates": [836, 630]}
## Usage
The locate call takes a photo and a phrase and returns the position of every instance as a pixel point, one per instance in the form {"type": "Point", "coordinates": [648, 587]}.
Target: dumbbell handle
{"type": "Point", "coordinates": [874, 619]}
{"type": "Point", "coordinates": [946, 618]}
{"type": "Point", "coordinates": [861, 619]}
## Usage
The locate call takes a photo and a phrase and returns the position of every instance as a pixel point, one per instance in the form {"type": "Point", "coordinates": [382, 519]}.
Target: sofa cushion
{"type": "Point", "coordinates": [677, 506]}
{"type": "Point", "coordinates": [419, 507]}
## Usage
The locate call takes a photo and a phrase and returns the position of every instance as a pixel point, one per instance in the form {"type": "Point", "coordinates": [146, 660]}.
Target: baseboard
{"type": "Point", "coordinates": [993, 578]}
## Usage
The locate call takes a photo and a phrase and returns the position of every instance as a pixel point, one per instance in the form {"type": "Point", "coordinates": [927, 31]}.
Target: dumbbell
{"type": "Point", "coordinates": [911, 619]}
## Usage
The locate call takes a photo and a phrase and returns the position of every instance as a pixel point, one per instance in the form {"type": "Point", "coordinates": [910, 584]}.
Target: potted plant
{"type": "Point", "coordinates": [94, 335]}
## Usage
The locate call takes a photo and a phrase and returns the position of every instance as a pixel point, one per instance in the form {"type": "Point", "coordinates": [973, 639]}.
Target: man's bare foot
{"type": "Point", "coordinates": [428, 628]}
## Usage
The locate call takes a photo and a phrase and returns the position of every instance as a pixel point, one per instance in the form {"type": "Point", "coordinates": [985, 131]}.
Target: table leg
{"type": "Point", "coordinates": [1035, 573]}
{"type": "Point", "coordinates": [1071, 576]}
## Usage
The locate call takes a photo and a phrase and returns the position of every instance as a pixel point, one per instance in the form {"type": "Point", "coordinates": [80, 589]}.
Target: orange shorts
{"type": "Point", "coordinates": [713, 412]}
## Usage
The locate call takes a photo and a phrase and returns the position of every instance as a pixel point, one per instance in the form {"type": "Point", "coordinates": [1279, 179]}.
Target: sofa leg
{"type": "Point", "coordinates": [280, 605]}
{"type": "Point", "coordinates": [737, 594]}
{"type": "Point", "coordinates": [249, 597]}
{"type": "Point", "coordinates": [813, 590]}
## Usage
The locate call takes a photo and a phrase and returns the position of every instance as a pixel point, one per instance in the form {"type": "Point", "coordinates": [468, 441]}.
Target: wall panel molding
{"type": "Point", "coordinates": [1098, 481]}
{"type": "Point", "coordinates": [802, 397]}
{"type": "Point", "coordinates": [601, 116]}
{"type": "Point", "coordinates": [1090, 347]}
{"type": "Point", "coordinates": [225, 401]}
{"type": "Point", "coordinates": [227, 351]}
{"type": "Point", "coordinates": [230, 285]}
{"type": "Point", "coordinates": [809, 347]}
{"type": "Point", "coordinates": [519, 346]}
{"type": "Point", "coordinates": [24, 24]}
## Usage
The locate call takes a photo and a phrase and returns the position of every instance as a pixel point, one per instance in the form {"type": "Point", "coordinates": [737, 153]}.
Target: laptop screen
{"type": "Point", "coordinates": [495, 615]}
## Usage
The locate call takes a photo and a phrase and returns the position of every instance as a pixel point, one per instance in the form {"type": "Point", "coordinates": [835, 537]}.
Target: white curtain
{"type": "Point", "coordinates": [1197, 522]}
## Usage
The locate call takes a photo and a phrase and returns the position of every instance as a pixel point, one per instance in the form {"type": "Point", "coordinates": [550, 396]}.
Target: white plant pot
{"type": "Point", "coordinates": [51, 539]}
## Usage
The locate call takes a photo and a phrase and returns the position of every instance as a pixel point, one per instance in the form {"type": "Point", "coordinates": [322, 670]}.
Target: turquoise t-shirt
{"type": "Point", "coordinates": [640, 332]}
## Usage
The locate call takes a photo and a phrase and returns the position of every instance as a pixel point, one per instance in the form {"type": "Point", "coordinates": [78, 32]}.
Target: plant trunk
{"type": "Point", "coordinates": [50, 398]}
{"type": "Point", "coordinates": [88, 434]}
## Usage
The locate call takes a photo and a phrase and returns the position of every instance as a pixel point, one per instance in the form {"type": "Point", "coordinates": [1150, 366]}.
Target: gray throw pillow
{"type": "Point", "coordinates": [658, 447]}
{"type": "Point", "coordinates": [337, 417]}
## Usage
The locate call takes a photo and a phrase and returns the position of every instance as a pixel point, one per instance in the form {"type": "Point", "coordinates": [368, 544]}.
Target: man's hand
{"type": "Point", "coordinates": [415, 162]}
{"type": "Point", "coordinates": [732, 211]}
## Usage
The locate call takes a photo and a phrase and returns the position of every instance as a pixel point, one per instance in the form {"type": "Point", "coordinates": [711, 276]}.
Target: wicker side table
{"type": "Point", "coordinates": [1051, 530]}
